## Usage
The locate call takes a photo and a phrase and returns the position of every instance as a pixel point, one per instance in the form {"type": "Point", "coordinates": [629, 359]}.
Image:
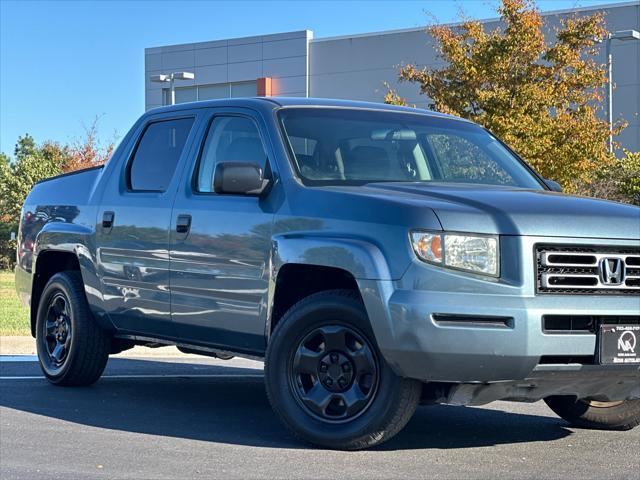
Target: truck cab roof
{"type": "Point", "coordinates": [276, 102]}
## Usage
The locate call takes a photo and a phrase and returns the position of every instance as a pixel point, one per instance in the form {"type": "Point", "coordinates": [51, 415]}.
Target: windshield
{"type": "Point", "coordinates": [353, 146]}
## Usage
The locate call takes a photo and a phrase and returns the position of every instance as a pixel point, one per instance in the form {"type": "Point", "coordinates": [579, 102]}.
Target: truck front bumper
{"type": "Point", "coordinates": [449, 337]}
{"type": "Point", "coordinates": [487, 336]}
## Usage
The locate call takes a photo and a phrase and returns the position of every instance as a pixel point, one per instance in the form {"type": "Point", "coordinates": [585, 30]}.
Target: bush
{"type": "Point", "coordinates": [618, 181]}
{"type": "Point", "coordinates": [7, 248]}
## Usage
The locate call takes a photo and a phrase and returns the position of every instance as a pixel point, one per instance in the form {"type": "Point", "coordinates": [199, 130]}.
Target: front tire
{"type": "Point", "coordinates": [623, 415]}
{"type": "Point", "coordinates": [328, 382]}
{"type": "Point", "coordinates": [72, 348]}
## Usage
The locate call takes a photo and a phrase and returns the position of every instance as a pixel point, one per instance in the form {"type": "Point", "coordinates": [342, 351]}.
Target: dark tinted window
{"type": "Point", "coordinates": [230, 139]}
{"type": "Point", "coordinates": [156, 157]}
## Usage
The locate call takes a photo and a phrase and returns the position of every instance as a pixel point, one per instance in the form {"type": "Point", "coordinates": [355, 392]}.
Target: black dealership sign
{"type": "Point", "coordinates": [619, 344]}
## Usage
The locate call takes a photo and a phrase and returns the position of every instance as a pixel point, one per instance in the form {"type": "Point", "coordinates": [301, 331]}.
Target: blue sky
{"type": "Point", "coordinates": [63, 63]}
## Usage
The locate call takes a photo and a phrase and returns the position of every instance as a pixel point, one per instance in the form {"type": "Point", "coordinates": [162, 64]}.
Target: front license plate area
{"type": "Point", "coordinates": [619, 344]}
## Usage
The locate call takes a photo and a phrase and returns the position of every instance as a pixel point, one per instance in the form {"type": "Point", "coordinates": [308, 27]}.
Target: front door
{"type": "Point", "coordinates": [220, 244]}
{"type": "Point", "coordinates": [133, 229]}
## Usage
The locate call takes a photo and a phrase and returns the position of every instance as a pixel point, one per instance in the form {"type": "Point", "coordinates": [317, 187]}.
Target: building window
{"type": "Point", "coordinates": [244, 89]}
{"type": "Point", "coordinates": [183, 95]}
{"type": "Point", "coordinates": [210, 92]}
{"type": "Point", "coordinates": [188, 94]}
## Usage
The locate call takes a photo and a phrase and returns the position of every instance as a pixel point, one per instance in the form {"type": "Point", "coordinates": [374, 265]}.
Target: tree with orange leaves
{"type": "Point", "coordinates": [88, 152]}
{"type": "Point", "coordinates": [540, 97]}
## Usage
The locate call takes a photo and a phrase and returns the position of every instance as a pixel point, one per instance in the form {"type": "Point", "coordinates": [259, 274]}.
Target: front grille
{"type": "Point", "coordinates": [571, 270]}
{"type": "Point", "coordinates": [584, 323]}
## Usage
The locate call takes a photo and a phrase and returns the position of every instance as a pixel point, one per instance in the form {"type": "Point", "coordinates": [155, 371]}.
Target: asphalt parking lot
{"type": "Point", "coordinates": [190, 418]}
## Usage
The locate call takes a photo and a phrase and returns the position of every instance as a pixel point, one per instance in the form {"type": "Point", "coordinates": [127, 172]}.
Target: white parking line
{"type": "Point", "coordinates": [176, 375]}
{"type": "Point", "coordinates": [18, 358]}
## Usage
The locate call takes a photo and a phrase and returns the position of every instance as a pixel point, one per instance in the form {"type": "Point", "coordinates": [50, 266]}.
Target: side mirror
{"type": "Point", "coordinates": [239, 178]}
{"type": "Point", "coordinates": [553, 185]}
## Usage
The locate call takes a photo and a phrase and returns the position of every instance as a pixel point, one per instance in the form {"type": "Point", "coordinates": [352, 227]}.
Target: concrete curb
{"type": "Point", "coordinates": [14, 345]}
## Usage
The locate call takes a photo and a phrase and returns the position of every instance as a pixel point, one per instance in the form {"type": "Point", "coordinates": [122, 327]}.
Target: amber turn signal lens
{"type": "Point", "coordinates": [436, 246]}
{"type": "Point", "coordinates": [428, 246]}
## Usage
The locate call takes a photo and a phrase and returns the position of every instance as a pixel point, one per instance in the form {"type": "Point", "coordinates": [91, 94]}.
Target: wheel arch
{"type": "Point", "coordinates": [303, 265]}
{"type": "Point", "coordinates": [60, 247]}
{"type": "Point", "coordinates": [361, 258]}
{"type": "Point", "coordinates": [47, 264]}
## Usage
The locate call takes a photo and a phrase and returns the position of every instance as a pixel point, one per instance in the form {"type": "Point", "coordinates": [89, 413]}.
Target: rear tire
{"type": "Point", "coordinates": [328, 382]}
{"type": "Point", "coordinates": [72, 348]}
{"type": "Point", "coordinates": [596, 415]}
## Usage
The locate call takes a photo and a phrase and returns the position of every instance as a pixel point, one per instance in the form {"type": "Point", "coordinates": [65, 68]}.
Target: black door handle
{"type": "Point", "coordinates": [107, 220]}
{"type": "Point", "coordinates": [183, 224]}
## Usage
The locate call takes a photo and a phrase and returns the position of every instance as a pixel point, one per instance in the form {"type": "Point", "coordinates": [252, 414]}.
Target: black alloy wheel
{"type": "Point", "coordinates": [334, 373]}
{"type": "Point", "coordinates": [57, 331]}
{"type": "Point", "coordinates": [327, 380]}
{"type": "Point", "coordinates": [72, 348]}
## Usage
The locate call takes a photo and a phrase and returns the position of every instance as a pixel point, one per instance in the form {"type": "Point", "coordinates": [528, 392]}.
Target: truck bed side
{"type": "Point", "coordinates": [58, 217]}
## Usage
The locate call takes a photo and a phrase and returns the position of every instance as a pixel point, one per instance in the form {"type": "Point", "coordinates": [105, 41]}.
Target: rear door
{"type": "Point", "coordinates": [133, 226]}
{"type": "Point", "coordinates": [220, 262]}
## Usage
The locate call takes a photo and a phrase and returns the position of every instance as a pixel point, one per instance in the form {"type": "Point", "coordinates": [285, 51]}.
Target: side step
{"type": "Point", "coordinates": [126, 341]}
{"type": "Point", "coordinates": [206, 352]}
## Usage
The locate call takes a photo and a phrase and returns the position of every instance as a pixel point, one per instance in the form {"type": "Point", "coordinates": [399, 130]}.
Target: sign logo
{"type": "Point", "coordinates": [612, 271]}
{"type": "Point", "coordinates": [627, 341]}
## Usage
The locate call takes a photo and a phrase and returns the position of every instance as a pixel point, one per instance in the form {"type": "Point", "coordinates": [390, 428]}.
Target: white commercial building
{"type": "Point", "coordinates": [295, 64]}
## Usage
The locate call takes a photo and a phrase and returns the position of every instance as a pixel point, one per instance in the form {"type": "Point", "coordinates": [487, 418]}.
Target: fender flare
{"type": "Point", "coordinates": [60, 236]}
{"type": "Point", "coordinates": [360, 258]}
{"type": "Point", "coordinates": [76, 240]}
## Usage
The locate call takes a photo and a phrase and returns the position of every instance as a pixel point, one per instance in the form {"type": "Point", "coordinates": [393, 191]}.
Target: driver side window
{"type": "Point", "coordinates": [229, 139]}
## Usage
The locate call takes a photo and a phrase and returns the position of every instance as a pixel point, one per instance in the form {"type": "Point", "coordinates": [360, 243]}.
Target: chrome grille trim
{"type": "Point", "coordinates": [577, 270]}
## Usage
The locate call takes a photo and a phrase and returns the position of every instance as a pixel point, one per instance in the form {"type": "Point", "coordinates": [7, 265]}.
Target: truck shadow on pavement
{"type": "Point", "coordinates": [235, 410]}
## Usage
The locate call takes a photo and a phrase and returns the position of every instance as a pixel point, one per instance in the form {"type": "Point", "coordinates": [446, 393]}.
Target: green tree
{"type": "Point", "coordinates": [32, 164]}
{"type": "Point", "coordinates": [25, 147]}
{"type": "Point", "coordinates": [541, 98]}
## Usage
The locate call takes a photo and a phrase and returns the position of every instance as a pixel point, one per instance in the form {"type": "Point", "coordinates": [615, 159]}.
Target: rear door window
{"type": "Point", "coordinates": [156, 156]}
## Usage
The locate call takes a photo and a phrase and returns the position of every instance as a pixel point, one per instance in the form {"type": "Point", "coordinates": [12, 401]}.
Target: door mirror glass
{"type": "Point", "coordinates": [239, 178]}
{"type": "Point", "coordinates": [553, 185]}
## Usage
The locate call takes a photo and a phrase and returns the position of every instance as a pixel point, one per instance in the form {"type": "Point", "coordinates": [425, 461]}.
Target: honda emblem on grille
{"type": "Point", "coordinates": [612, 271]}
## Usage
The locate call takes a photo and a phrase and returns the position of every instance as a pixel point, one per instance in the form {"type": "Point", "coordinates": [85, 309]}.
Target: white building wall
{"type": "Point", "coordinates": [283, 57]}
{"type": "Point", "coordinates": [355, 67]}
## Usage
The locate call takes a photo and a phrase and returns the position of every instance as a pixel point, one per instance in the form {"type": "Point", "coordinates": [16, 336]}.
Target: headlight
{"type": "Point", "coordinates": [468, 252]}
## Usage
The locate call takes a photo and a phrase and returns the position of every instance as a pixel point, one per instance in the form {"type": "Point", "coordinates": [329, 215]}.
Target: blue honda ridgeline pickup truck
{"type": "Point", "coordinates": [375, 257]}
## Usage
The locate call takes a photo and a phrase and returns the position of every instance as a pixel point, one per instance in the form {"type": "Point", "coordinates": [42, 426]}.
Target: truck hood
{"type": "Point", "coordinates": [512, 211]}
